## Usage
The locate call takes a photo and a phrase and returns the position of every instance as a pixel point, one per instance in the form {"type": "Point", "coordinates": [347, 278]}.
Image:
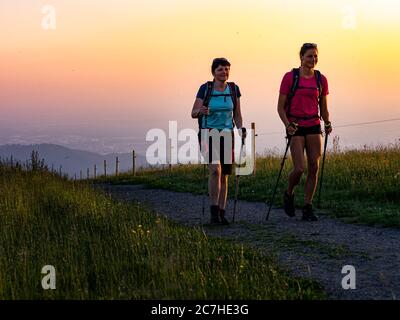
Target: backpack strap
{"type": "Point", "coordinates": [233, 94]}
{"type": "Point", "coordinates": [207, 97]}
{"type": "Point", "coordinates": [234, 97]}
{"type": "Point", "coordinates": [208, 93]}
{"type": "Point", "coordinates": [206, 102]}
{"type": "Point", "coordinates": [295, 86]}
{"type": "Point", "coordinates": [318, 79]}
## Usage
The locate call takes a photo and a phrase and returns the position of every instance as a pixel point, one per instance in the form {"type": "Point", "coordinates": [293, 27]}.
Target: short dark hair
{"type": "Point", "coordinates": [219, 62]}
{"type": "Point", "coordinates": [307, 46]}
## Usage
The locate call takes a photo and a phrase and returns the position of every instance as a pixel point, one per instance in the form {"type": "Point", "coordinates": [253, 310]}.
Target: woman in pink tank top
{"type": "Point", "coordinates": [302, 102]}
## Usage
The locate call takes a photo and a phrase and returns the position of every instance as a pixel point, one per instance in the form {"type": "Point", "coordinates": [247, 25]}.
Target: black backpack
{"type": "Point", "coordinates": [207, 97]}
{"type": "Point", "coordinates": [295, 86]}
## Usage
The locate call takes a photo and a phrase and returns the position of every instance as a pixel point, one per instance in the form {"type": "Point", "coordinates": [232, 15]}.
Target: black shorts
{"type": "Point", "coordinates": [303, 131]}
{"type": "Point", "coordinates": [226, 168]}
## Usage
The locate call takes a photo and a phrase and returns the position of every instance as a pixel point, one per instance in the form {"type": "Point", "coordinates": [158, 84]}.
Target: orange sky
{"type": "Point", "coordinates": [141, 63]}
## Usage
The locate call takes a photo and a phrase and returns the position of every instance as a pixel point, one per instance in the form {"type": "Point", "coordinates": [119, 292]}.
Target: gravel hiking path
{"type": "Point", "coordinates": [316, 250]}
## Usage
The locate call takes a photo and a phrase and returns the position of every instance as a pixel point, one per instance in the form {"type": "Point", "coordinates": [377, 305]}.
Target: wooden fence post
{"type": "Point", "coordinates": [169, 156]}
{"type": "Point", "coordinates": [133, 163]}
{"type": "Point", "coordinates": [253, 145]}
{"type": "Point", "coordinates": [116, 166]}
{"type": "Point", "coordinates": [105, 168]}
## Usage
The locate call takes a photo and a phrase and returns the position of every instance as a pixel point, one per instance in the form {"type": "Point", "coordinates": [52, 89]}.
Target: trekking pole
{"type": "Point", "coordinates": [322, 170]}
{"type": "Point", "coordinates": [279, 176]}
{"type": "Point", "coordinates": [204, 171]}
{"type": "Point", "coordinates": [237, 181]}
{"type": "Point", "coordinates": [204, 188]}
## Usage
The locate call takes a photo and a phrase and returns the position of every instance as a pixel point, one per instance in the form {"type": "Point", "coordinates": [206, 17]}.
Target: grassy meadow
{"type": "Point", "coordinates": [103, 249]}
{"type": "Point", "coordinates": [359, 186]}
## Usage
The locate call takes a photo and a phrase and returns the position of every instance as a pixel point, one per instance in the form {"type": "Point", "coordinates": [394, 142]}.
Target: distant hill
{"type": "Point", "coordinates": [72, 160]}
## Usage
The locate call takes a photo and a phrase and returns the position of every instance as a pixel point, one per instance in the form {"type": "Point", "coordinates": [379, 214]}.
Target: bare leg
{"type": "Point", "coordinates": [224, 191]}
{"type": "Point", "coordinates": [313, 150]}
{"type": "Point", "coordinates": [297, 145]}
{"type": "Point", "coordinates": [214, 183]}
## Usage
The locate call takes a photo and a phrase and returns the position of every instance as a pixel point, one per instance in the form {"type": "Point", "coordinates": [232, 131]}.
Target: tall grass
{"type": "Point", "coordinates": [103, 249]}
{"type": "Point", "coordinates": [359, 185]}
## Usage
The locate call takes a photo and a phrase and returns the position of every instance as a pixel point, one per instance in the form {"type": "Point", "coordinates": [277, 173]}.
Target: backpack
{"type": "Point", "coordinates": [295, 86]}
{"type": "Point", "coordinates": [208, 95]}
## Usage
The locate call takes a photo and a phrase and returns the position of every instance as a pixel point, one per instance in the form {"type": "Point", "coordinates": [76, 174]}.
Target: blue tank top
{"type": "Point", "coordinates": [220, 107]}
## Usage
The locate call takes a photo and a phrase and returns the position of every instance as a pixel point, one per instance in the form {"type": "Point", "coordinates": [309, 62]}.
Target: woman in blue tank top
{"type": "Point", "coordinates": [221, 112]}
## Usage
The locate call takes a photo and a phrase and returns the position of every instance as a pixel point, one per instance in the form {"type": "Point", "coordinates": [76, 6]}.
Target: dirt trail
{"type": "Point", "coordinates": [317, 250]}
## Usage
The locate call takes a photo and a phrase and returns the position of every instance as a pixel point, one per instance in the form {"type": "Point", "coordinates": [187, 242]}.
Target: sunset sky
{"type": "Point", "coordinates": [119, 68]}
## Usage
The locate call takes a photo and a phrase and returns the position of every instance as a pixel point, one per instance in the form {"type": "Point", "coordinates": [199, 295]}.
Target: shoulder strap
{"type": "Point", "coordinates": [319, 83]}
{"type": "Point", "coordinates": [232, 87]}
{"type": "Point", "coordinates": [295, 85]}
{"type": "Point", "coordinates": [206, 101]}
{"type": "Point", "coordinates": [318, 79]}
{"type": "Point", "coordinates": [233, 90]}
{"type": "Point", "coordinates": [208, 93]}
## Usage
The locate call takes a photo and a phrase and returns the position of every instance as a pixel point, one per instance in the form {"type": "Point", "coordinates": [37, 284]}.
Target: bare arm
{"type": "Point", "coordinates": [281, 109]}
{"type": "Point", "coordinates": [198, 108]}
{"type": "Point", "coordinates": [325, 114]}
{"type": "Point", "coordinates": [324, 109]}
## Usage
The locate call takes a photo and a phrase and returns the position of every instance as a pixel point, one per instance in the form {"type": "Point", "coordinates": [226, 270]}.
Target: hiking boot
{"type": "Point", "coordinates": [222, 218]}
{"type": "Point", "coordinates": [288, 204]}
{"type": "Point", "coordinates": [308, 213]}
{"type": "Point", "coordinates": [214, 214]}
